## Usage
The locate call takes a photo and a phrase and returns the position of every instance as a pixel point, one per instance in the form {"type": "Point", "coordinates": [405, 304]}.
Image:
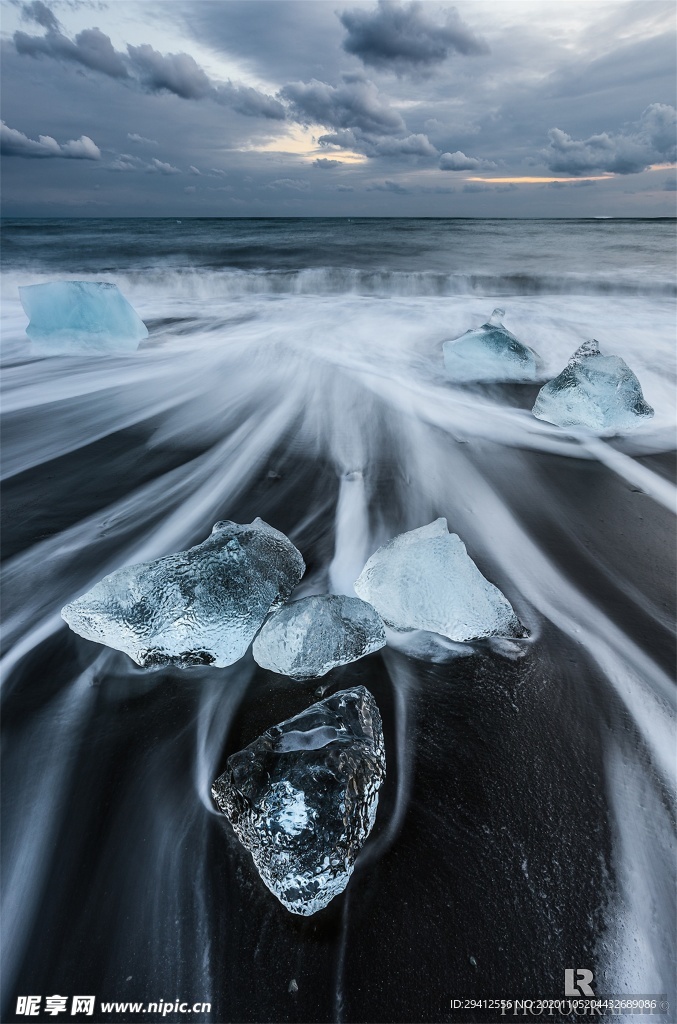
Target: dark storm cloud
{"type": "Point", "coordinates": [91, 48]}
{"type": "Point", "coordinates": [652, 140]}
{"type": "Point", "coordinates": [356, 103]}
{"type": "Point", "coordinates": [41, 14]}
{"type": "Point", "coordinates": [176, 72]}
{"type": "Point", "coordinates": [15, 143]}
{"type": "Point", "coordinates": [155, 72]}
{"type": "Point", "coordinates": [249, 102]}
{"type": "Point", "coordinates": [361, 117]}
{"type": "Point", "coordinates": [403, 37]}
{"type": "Point", "coordinates": [327, 165]}
{"type": "Point", "coordinates": [458, 161]}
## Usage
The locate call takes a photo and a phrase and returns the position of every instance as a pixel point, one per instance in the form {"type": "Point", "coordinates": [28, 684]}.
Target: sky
{"type": "Point", "coordinates": [487, 108]}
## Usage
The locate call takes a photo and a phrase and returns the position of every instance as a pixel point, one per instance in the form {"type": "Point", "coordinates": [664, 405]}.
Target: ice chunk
{"type": "Point", "coordinates": [203, 606]}
{"type": "Point", "coordinates": [76, 315]}
{"type": "Point", "coordinates": [489, 353]}
{"type": "Point", "coordinates": [425, 579]}
{"type": "Point", "coordinates": [310, 637]}
{"type": "Point", "coordinates": [302, 797]}
{"type": "Point", "coordinates": [594, 391]}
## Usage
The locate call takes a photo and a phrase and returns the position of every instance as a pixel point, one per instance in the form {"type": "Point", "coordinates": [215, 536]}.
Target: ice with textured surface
{"type": "Point", "coordinates": [425, 579]}
{"type": "Point", "coordinates": [203, 606]}
{"type": "Point", "coordinates": [302, 797]}
{"type": "Point", "coordinates": [489, 354]}
{"type": "Point", "coordinates": [594, 391]}
{"type": "Point", "coordinates": [81, 315]}
{"type": "Point", "coordinates": [308, 638]}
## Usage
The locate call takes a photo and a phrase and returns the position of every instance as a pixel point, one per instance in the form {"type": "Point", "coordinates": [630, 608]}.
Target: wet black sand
{"type": "Point", "coordinates": [489, 870]}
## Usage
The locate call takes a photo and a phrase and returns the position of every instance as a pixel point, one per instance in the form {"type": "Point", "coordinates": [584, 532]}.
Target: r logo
{"type": "Point", "coordinates": [578, 983]}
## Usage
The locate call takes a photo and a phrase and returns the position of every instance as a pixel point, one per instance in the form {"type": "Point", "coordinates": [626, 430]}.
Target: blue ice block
{"type": "Point", "coordinates": [81, 315]}
{"type": "Point", "coordinates": [489, 354]}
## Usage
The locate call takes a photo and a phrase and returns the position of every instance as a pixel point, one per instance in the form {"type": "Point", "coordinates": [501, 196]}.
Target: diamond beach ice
{"type": "Point", "coordinates": [308, 638]}
{"type": "Point", "coordinates": [302, 797]}
{"type": "Point", "coordinates": [81, 315]}
{"type": "Point", "coordinates": [425, 579]}
{"type": "Point", "coordinates": [594, 391]}
{"type": "Point", "coordinates": [197, 607]}
{"type": "Point", "coordinates": [489, 354]}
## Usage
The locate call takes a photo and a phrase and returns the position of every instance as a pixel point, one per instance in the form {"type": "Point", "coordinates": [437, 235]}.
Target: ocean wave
{"type": "Point", "coordinates": [200, 283]}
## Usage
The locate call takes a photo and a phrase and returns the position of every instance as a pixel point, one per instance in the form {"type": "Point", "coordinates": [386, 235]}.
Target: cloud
{"type": "Point", "coordinates": [189, 190]}
{"type": "Point", "coordinates": [345, 188]}
{"type": "Point", "coordinates": [15, 143]}
{"type": "Point", "coordinates": [327, 165]}
{"type": "Point", "coordinates": [297, 184]}
{"type": "Point", "coordinates": [91, 47]}
{"type": "Point", "coordinates": [412, 145]}
{"type": "Point", "coordinates": [177, 73]}
{"type": "Point", "coordinates": [458, 161]}
{"type": "Point", "coordinates": [249, 102]}
{"type": "Point", "coordinates": [650, 140]}
{"type": "Point", "coordinates": [40, 13]}
{"type": "Point", "coordinates": [670, 185]}
{"type": "Point", "coordinates": [172, 72]}
{"type": "Point", "coordinates": [388, 186]}
{"type": "Point", "coordinates": [355, 104]}
{"type": "Point", "coordinates": [195, 170]}
{"type": "Point", "coordinates": [158, 166]}
{"type": "Point", "coordinates": [477, 186]}
{"type": "Point", "coordinates": [133, 137]}
{"type": "Point", "coordinates": [127, 162]}
{"type": "Point", "coordinates": [404, 38]}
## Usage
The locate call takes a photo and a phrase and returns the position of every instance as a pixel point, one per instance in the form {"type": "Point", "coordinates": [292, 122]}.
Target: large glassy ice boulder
{"type": "Point", "coordinates": [598, 392]}
{"type": "Point", "coordinates": [203, 606]}
{"type": "Point", "coordinates": [425, 579]}
{"type": "Point", "coordinates": [93, 316]}
{"type": "Point", "coordinates": [310, 637]}
{"type": "Point", "coordinates": [302, 797]}
{"type": "Point", "coordinates": [489, 354]}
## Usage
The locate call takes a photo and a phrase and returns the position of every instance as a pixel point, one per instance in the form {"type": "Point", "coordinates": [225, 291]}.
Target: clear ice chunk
{"type": "Point", "coordinates": [310, 637]}
{"type": "Point", "coordinates": [81, 315]}
{"type": "Point", "coordinates": [203, 606]}
{"type": "Point", "coordinates": [489, 354]}
{"type": "Point", "coordinates": [425, 579]}
{"type": "Point", "coordinates": [302, 797]}
{"type": "Point", "coordinates": [594, 391]}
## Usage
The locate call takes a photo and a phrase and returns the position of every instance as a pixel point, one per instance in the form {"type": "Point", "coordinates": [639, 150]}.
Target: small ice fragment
{"type": "Point", "coordinates": [81, 315]}
{"type": "Point", "coordinates": [594, 391]}
{"type": "Point", "coordinates": [489, 354]}
{"type": "Point", "coordinates": [304, 810]}
{"type": "Point", "coordinates": [425, 579]}
{"type": "Point", "coordinates": [203, 606]}
{"type": "Point", "coordinates": [310, 637]}
{"type": "Point", "coordinates": [293, 987]}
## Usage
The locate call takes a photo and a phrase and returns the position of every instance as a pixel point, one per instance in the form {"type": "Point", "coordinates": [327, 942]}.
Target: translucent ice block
{"type": "Point", "coordinates": [302, 798]}
{"type": "Point", "coordinates": [594, 391]}
{"type": "Point", "coordinates": [203, 606]}
{"type": "Point", "coordinates": [425, 579]}
{"type": "Point", "coordinates": [489, 353]}
{"type": "Point", "coordinates": [308, 638]}
{"type": "Point", "coordinates": [81, 315]}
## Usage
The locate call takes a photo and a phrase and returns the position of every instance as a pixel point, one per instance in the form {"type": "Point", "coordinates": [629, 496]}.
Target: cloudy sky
{"type": "Point", "coordinates": [338, 107]}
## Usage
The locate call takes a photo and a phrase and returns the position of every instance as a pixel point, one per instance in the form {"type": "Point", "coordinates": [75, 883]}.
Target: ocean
{"type": "Point", "coordinates": [293, 371]}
